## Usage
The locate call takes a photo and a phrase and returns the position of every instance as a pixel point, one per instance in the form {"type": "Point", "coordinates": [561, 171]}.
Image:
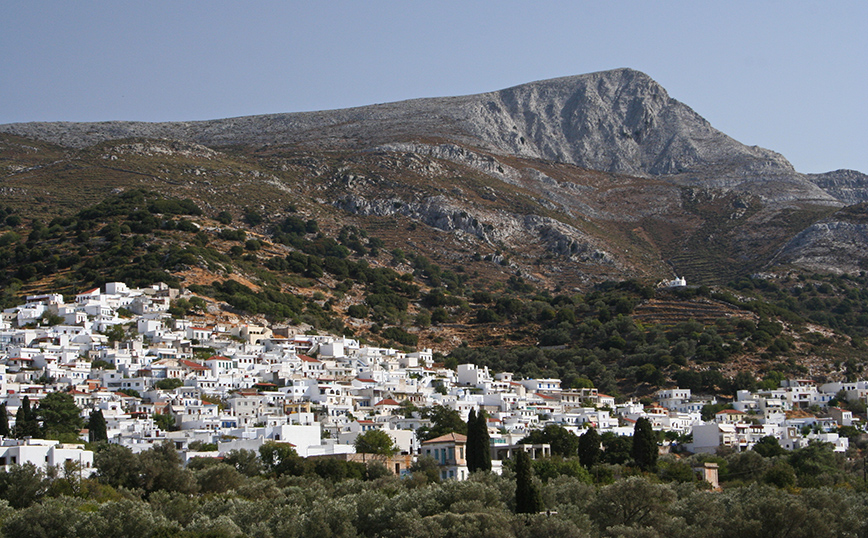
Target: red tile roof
{"type": "Point", "coordinates": [449, 437]}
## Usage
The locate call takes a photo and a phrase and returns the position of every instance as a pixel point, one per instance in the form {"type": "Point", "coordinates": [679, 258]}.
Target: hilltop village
{"type": "Point", "coordinates": [229, 386]}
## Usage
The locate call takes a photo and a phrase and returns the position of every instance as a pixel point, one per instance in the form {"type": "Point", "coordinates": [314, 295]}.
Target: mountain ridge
{"type": "Point", "coordinates": [609, 120]}
{"type": "Point", "coordinates": [590, 168]}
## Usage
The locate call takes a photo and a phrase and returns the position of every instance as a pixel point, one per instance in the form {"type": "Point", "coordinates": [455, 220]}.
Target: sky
{"type": "Point", "coordinates": [788, 76]}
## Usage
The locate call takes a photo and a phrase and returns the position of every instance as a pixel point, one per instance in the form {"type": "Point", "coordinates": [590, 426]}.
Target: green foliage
{"type": "Point", "coordinates": [59, 414]}
{"type": "Point", "coordinates": [710, 410]}
{"type": "Point", "coordinates": [246, 462]}
{"type": "Point", "coordinates": [375, 442]}
{"type": "Point", "coordinates": [428, 467]}
{"type": "Point", "coordinates": [769, 447]}
{"type": "Point", "coordinates": [4, 421]}
{"type": "Point", "coordinates": [527, 496]}
{"type": "Point", "coordinates": [551, 468]}
{"type": "Point", "coordinates": [617, 449]}
{"type": "Point", "coordinates": [26, 421]}
{"type": "Point", "coordinates": [281, 459]}
{"type": "Point", "coordinates": [170, 383]}
{"type": "Point", "coordinates": [335, 499]}
{"type": "Point", "coordinates": [161, 470]}
{"type": "Point", "coordinates": [589, 448]}
{"type": "Point", "coordinates": [563, 442]}
{"type": "Point", "coordinates": [357, 311]}
{"type": "Point", "coordinates": [816, 465]}
{"type": "Point", "coordinates": [165, 421]}
{"type": "Point", "coordinates": [224, 217]}
{"type": "Point", "coordinates": [218, 478]}
{"type": "Point", "coordinates": [443, 420]}
{"type": "Point", "coordinates": [401, 336]}
{"type": "Point", "coordinates": [96, 427]}
{"type": "Point", "coordinates": [478, 442]}
{"type": "Point", "coordinates": [117, 466]}
{"type": "Point", "coordinates": [23, 485]}
{"type": "Point", "coordinates": [644, 450]}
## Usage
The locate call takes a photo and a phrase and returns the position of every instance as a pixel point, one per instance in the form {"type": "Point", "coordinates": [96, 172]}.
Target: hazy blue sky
{"type": "Point", "coordinates": [789, 76]}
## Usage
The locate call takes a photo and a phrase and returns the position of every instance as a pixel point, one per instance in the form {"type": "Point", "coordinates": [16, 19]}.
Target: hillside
{"type": "Point", "coordinates": [623, 337]}
{"type": "Point", "coordinates": [598, 176]}
{"type": "Point", "coordinates": [501, 219]}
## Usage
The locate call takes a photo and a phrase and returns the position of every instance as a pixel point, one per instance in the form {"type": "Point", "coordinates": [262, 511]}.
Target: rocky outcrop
{"type": "Point", "coordinates": [848, 186]}
{"type": "Point", "coordinates": [832, 246]}
{"type": "Point", "coordinates": [492, 227]}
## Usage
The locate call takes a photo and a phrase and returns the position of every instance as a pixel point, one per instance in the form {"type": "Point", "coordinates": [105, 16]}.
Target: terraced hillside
{"type": "Point", "coordinates": [672, 311]}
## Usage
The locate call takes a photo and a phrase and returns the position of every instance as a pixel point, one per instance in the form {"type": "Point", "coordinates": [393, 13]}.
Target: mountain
{"type": "Point", "coordinates": [565, 181]}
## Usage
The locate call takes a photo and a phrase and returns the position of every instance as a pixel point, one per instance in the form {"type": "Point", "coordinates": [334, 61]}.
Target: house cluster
{"type": "Point", "coordinates": [237, 385]}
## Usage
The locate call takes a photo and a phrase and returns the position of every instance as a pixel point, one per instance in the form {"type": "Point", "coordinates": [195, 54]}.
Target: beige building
{"type": "Point", "coordinates": [450, 452]}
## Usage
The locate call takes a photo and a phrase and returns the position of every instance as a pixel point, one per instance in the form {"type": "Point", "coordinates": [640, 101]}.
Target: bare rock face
{"type": "Point", "coordinates": [617, 121]}
{"type": "Point", "coordinates": [487, 226]}
{"type": "Point", "coordinates": [829, 247]}
{"type": "Point", "coordinates": [848, 186]}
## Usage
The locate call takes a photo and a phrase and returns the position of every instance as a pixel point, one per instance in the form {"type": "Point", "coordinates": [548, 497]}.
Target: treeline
{"type": "Point", "coordinates": [279, 494]}
{"type": "Point", "coordinates": [839, 302]}
{"type": "Point", "coordinates": [94, 246]}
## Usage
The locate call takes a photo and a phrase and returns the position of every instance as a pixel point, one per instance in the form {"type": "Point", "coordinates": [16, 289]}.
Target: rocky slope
{"type": "Point", "coordinates": [603, 173]}
{"type": "Point", "coordinates": [617, 121]}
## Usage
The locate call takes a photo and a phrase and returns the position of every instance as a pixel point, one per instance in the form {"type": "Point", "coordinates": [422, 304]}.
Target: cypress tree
{"type": "Point", "coordinates": [645, 449]}
{"type": "Point", "coordinates": [26, 423]}
{"type": "Point", "coordinates": [589, 448]}
{"type": "Point", "coordinates": [527, 496]}
{"type": "Point", "coordinates": [4, 421]}
{"type": "Point", "coordinates": [478, 442]}
{"type": "Point", "coordinates": [472, 453]}
{"type": "Point", "coordinates": [96, 427]}
{"type": "Point", "coordinates": [483, 440]}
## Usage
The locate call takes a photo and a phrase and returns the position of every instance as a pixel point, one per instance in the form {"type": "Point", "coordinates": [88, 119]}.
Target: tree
{"type": "Point", "coordinates": [281, 459]}
{"type": "Point", "coordinates": [170, 383]}
{"type": "Point", "coordinates": [589, 448]}
{"type": "Point", "coordinates": [427, 466]}
{"type": "Point", "coordinates": [527, 496]}
{"type": "Point", "coordinates": [60, 415]}
{"type": "Point", "coordinates": [375, 442]}
{"type": "Point", "coordinates": [563, 442]}
{"type": "Point", "coordinates": [23, 485]}
{"type": "Point", "coordinates": [472, 454]}
{"type": "Point", "coordinates": [644, 451]}
{"type": "Point", "coordinates": [218, 478]}
{"type": "Point", "coordinates": [96, 427]}
{"type": "Point", "coordinates": [246, 462]}
{"type": "Point", "coordinates": [117, 466]}
{"type": "Point", "coordinates": [26, 423]}
{"type": "Point", "coordinates": [165, 421]}
{"type": "Point", "coordinates": [768, 447]}
{"type": "Point", "coordinates": [478, 442]}
{"type": "Point", "coordinates": [161, 469]}
{"type": "Point", "coordinates": [4, 421]}
{"type": "Point", "coordinates": [443, 420]}
{"type": "Point", "coordinates": [616, 448]}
